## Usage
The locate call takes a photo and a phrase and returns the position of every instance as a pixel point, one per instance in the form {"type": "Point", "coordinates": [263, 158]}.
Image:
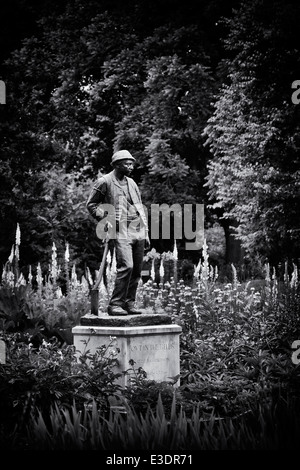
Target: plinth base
{"type": "Point", "coordinates": [154, 347]}
{"type": "Point", "coordinates": [127, 320]}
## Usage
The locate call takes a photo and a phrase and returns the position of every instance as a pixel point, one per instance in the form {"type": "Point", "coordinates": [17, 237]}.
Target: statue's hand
{"type": "Point", "coordinates": [100, 212]}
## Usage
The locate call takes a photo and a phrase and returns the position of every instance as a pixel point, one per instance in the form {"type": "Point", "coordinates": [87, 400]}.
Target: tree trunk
{"type": "Point", "coordinates": [234, 251]}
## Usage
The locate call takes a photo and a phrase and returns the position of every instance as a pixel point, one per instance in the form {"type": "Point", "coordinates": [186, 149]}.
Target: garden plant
{"type": "Point", "coordinates": [239, 387]}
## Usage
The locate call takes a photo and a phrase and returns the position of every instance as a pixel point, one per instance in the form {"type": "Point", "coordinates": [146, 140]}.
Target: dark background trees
{"type": "Point", "coordinates": [209, 122]}
{"type": "Point", "coordinates": [254, 173]}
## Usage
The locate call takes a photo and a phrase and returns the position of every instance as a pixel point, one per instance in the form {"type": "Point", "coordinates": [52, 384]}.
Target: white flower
{"type": "Point", "coordinates": [175, 251]}
{"type": "Point", "coordinates": [67, 253]}
{"type": "Point", "coordinates": [17, 252]}
{"type": "Point", "coordinates": [11, 256]}
{"type": "Point", "coordinates": [197, 269]}
{"type": "Point", "coordinates": [18, 235]}
{"type": "Point", "coordinates": [161, 270]}
{"type": "Point", "coordinates": [30, 277]}
{"type": "Point", "coordinates": [54, 262]}
{"type": "Point", "coordinates": [21, 281]}
{"type": "Point", "coordinates": [59, 293]}
{"type": "Point", "coordinates": [39, 276]}
{"type": "Point", "coordinates": [152, 270]}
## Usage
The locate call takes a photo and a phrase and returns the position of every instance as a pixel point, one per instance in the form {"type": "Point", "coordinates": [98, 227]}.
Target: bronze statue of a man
{"type": "Point", "coordinates": [130, 237]}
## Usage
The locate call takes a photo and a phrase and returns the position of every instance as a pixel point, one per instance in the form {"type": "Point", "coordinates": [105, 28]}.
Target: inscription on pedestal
{"type": "Point", "coordinates": [155, 355]}
{"type": "Point", "coordinates": [152, 347]}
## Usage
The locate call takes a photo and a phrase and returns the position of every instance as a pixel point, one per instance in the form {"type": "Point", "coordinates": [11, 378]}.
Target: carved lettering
{"type": "Point", "coordinates": [152, 347]}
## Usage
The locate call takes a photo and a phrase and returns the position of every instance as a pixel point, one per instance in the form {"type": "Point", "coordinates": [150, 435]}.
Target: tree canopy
{"type": "Point", "coordinates": [198, 92]}
{"type": "Point", "coordinates": [254, 173]}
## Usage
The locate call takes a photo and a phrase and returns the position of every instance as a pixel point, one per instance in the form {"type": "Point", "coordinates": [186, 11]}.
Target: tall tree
{"type": "Point", "coordinates": [47, 120]}
{"type": "Point", "coordinates": [253, 133]}
{"type": "Point", "coordinates": [164, 122]}
{"type": "Point", "coordinates": [82, 81]}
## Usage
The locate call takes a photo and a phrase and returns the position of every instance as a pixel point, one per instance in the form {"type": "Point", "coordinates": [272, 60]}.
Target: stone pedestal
{"type": "Point", "coordinates": [151, 341]}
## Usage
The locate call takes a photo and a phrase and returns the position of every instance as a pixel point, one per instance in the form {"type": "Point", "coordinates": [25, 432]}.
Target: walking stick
{"type": "Point", "coordinates": [95, 288]}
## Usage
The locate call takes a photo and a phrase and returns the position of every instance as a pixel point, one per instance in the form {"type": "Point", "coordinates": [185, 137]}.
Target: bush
{"type": "Point", "coordinates": [51, 375]}
{"type": "Point", "coordinates": [235, 359]}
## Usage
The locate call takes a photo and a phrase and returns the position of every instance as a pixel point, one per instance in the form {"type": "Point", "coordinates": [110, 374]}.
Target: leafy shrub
{"type": "Point", "coordinates": [283, 319]}
{"type": "Point", "coordinates": [142, 393]}
{"type": "Point", "coordinates": [40, 308]}
{"type": "Point", "coordinates": [235, 354]}
{"type": "Point", "coordinates": [52, 374]}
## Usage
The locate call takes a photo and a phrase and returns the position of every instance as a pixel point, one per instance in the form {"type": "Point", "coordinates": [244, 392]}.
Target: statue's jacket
{"type": "Point", "coordinates": [107, 190]}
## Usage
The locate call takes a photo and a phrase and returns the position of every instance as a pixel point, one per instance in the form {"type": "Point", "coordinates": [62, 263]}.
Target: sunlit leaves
{"type": "Point", "coordinates": [254, 174]}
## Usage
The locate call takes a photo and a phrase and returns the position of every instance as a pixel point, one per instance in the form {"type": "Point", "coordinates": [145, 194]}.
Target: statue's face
{"type": "Point", "coordinates": [125, 166]}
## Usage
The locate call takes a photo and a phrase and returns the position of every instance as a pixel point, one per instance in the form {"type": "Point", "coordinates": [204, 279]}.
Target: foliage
{"type": "Point", "coordinates": [268, 426]}
{"type": "Point", "coordinates": [235, 358]}
{"type": "Point", "coordinates": [143, 394]}
{"type": "Point", "coordinates": [166, 124]}
{"type": "Point", "coordinates": [37, 306]}
{"type": "Point", "coordinates": [39, 378]}
{"type": "Point", "coordinates": [253, 177]}
{"type": "Point", "coordinates": [92, 77]}
{"type": "Point", "coordinates": [283, 320]}
{"type": "Point", "coordinates": [98, 75]}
